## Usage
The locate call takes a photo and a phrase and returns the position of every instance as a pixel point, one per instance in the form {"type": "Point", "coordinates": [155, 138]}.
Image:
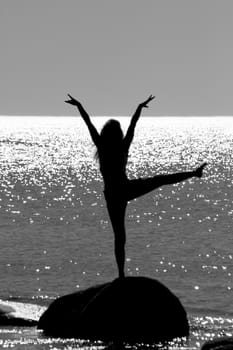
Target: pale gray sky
{"type": "Point", "coordinates": [111, 54]}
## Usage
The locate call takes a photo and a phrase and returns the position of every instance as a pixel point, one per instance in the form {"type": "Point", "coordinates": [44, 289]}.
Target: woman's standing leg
{"type": "Point", "coordinates": [116, 210]}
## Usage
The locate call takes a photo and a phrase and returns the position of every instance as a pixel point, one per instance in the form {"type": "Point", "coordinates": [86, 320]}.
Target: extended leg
{"type": "Point", "coordinates": [139, 187]}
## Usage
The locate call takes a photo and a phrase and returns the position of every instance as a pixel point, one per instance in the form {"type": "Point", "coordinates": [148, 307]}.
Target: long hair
{"type": "Point", "coordinates": [111, 136]}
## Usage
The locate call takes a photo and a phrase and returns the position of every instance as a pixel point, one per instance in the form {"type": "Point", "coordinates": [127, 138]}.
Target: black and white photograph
{"type": "Point", "coordinates": [116, 174]}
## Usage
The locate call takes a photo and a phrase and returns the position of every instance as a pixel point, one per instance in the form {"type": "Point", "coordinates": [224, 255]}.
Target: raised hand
{"type": "Point", "coordinates": [199, 170]}
{"type": "Point", "coordinates": [72, 101]}
{"type": "Point", "coordinates": [144, 104]}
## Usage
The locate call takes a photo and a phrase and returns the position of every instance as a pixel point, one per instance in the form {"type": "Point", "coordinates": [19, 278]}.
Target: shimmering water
{"type": "Point", "coordinates": [55, 235]}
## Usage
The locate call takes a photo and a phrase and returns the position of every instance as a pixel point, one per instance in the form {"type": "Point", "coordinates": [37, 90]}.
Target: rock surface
{"type": "Point", "coordinates": [133, 309]}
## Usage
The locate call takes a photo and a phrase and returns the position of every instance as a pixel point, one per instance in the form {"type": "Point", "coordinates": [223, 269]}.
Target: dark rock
{"type": "Point", "coordinates": [133, 309]}
{"type": "Point", "coordinates": [12, 321]}
{"type": "Point", "coordinates": [223, 343]}
{"type": "Point", "coordinates": [61, 319]}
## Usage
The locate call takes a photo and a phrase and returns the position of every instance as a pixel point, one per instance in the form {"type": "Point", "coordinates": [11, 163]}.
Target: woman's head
{"type": "Point", "coordinates": [111, 136]}
{"type": "Point", "coordinates": [111, 132]}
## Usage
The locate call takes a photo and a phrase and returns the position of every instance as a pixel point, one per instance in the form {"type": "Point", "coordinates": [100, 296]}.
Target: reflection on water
{"type": "Point", "coordinates": [33, 340]}
{"type": "Point", "coordinates": [55, 235]}
{"type": "Point", "coordinates": [202, 329]}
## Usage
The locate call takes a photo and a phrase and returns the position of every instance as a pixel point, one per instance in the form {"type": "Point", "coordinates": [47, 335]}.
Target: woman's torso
{"type": "Point", "coordinates": [113, 161]}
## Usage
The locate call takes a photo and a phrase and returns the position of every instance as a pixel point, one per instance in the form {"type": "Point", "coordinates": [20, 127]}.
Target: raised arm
{"type": "Point", "coordinates": [93, 132]}
{"type": "Point", "coordinates": [130, 132]}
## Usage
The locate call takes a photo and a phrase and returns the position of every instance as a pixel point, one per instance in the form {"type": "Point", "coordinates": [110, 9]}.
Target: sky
{"type": "Point", "coordinates": [112, 54]}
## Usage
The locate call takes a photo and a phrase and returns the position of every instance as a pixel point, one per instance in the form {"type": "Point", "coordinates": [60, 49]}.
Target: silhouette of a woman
{"type": "Point", "coordinates": [112, 152]}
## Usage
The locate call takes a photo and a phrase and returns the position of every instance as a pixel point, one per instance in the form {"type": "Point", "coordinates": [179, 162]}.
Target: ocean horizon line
{"type": "Point", "coordinates": [114, 116]}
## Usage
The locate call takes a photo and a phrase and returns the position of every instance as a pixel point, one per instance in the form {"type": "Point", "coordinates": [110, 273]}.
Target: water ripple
{"type": "Point", "coordinates": [51, 200]}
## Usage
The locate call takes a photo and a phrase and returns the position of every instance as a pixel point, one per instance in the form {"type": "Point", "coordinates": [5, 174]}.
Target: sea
{"type": "Point", "coordinates": [55, 234]}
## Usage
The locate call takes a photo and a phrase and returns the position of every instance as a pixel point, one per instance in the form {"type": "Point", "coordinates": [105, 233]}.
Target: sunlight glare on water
{"type": "Point", "coordinates": [55, 232]}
